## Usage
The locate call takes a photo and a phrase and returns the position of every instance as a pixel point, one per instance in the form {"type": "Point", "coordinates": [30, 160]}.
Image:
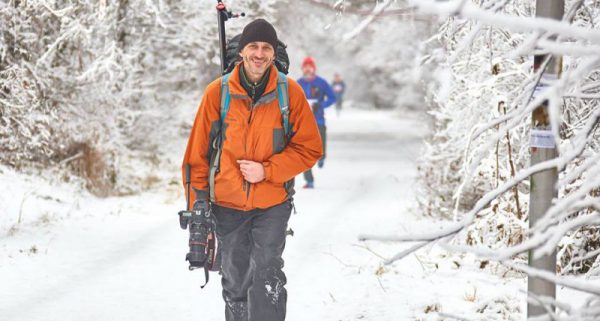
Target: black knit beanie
{"type": "Point", "coordinates": [258, 30]}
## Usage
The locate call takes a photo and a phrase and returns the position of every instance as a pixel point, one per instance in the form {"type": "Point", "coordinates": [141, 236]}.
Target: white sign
{"type": "Point", "coordinates": [542, 138]}
{"type": "Point", "coordinates": [539, 89]}
{"type": "Point", "coordinates": [544, 83]}
{"type": "Point", "coordinates": [312, 101]}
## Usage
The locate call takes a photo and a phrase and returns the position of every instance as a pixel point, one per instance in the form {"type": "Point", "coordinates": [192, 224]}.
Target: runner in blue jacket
{"type": "Point", "coordinates": [339, 87]}
{"type": "Point", "coordinates": [320, 96]}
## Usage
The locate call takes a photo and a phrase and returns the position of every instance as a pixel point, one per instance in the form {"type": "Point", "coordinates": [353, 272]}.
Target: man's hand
{"type": "Point", "coordinates": [253, 172]}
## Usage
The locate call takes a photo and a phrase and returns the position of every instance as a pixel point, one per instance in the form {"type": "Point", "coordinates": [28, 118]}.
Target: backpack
{"type": "Point", "coordinates": [218, 136]}
{"type": "Point", "coordinates": [282, 61]}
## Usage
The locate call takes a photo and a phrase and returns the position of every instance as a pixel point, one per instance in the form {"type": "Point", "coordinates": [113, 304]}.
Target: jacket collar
{"type": "Point", "coordinates": [235, 84]}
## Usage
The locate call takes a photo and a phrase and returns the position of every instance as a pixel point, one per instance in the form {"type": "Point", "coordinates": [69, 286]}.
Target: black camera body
{"type": "Point", "coordinates": [203, 240]}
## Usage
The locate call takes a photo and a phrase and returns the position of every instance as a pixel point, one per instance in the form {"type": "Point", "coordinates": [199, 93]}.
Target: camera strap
{"type": "Point", "coordinates": [211, 256]}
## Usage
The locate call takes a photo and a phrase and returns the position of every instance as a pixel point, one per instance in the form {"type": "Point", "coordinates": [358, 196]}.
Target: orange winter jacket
{"type": "Point", "coordinates": [252, 132]}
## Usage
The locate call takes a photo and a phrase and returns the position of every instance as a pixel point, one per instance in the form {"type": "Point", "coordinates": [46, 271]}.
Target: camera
{"type": "Point", "coordinates": [202, 242]}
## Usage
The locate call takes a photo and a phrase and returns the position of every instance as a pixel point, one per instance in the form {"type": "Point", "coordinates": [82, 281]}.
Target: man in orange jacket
{"type": "Point", "coordinates": [252, 196]}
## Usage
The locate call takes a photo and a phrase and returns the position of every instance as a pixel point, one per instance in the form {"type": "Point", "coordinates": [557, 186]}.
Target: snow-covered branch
{"type": "Point", "coordinates": [476, 167]}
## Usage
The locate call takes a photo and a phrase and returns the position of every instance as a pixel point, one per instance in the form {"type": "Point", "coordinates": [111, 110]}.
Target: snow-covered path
{"type": "Point", "coordinates": [124, 259]}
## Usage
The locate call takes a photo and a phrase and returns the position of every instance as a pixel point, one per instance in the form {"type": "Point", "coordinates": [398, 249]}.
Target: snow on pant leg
{"type": "Point", "coordinates": [323, 132]}
{"type": "Point", "coordinates": [267, 296]}
{"type": "Point", "coordinates": [233, 234]}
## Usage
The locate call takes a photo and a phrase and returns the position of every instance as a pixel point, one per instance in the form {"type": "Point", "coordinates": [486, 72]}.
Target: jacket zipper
{"type": "Point", "coordinates": [247, 184]}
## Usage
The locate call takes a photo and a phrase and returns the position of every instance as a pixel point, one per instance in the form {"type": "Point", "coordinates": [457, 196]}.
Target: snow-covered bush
{"type": "Point", "coordinates": [478, 83]}
{"type": "Point", "coordinates": [27, 115]}
{"type": "Point", "coordinates": [95, 86]}
{"type": "Point", "coordinates": [481, 134]}
{"type": "Point", "coordinates": [579, 252]}
{"type": "Point", "coordinates": [476, 167]}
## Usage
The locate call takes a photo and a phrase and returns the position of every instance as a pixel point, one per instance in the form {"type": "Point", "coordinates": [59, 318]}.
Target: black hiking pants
{"type": "Point", "coordinates": [251, 264]}
{"type": "Point", "coordinates": [308, 175]}
{"type": "Point", "coordinates": [338, 104]}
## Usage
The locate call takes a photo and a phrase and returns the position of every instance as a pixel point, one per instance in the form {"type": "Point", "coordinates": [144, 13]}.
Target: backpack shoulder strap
{"type": "Point", "coordinates": [284, 103]}
{"type": "Point", "coordinates": [225, 97]}
{"type": "Point", "coordinates": [284, 107]}
{"type": "Point", "coordinates": [218, 140]}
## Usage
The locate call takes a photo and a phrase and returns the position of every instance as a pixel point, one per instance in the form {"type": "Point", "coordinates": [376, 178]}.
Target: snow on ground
{"type": "Point", "coordinates": [76, 257]}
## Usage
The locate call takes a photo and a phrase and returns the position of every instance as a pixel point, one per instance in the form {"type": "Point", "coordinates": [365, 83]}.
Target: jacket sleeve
{"type": "Point", "coordinates": [329, 94]}
{"type": "Point", "coordinates": [304, 148]}
{"type": "Point", "coordinates": [196, 154]}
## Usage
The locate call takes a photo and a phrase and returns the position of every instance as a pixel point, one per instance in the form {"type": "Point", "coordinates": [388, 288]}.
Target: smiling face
{"type": "Point", "coordinates": [257, 57]}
